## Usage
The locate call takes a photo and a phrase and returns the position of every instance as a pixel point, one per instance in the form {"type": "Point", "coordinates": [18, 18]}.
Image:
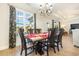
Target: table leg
{"type": "Point", "coordinates": [47, 49]}
{"type": "Point", "coordinates": [25, 52]}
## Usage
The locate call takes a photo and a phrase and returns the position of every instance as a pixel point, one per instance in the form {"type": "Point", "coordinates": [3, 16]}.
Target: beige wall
{"type": "Point", "coordinates": [4, 26]}
{"type": "Point", "coordinates": [66, 24]}
{"type": "Point", "coordinates": [42, 22]}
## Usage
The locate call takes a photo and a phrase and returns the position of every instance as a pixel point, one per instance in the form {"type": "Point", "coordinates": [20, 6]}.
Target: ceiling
{"type": "Point", "coordinates": [64, 11]}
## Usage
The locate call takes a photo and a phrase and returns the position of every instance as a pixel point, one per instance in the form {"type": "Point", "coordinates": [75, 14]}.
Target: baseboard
{"type": "Point", "coordinates": [4, 47]}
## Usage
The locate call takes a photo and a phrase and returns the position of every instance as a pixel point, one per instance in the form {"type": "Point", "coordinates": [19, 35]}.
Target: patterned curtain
{"type": "Point", "coordinates": [12, 28]}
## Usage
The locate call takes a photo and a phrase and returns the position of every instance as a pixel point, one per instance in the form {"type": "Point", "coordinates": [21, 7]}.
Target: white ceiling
{"type": "Point", "coordinates": [64, 11]}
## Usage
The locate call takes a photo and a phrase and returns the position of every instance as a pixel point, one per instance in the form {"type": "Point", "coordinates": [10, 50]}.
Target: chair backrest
{"type": "Point", "coordinates": [51, 36]}
{"type": "Point", "coordinates": [30, 31]}
{"type": "Point", "coordinates": [38, 30]}
{"type": "Point", "coordinates": [61, 34]}
{"type": "Point", "coordinates": [23, 41]}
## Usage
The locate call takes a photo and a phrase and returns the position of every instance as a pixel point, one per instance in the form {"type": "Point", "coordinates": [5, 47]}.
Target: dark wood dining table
{"type": "Point", "coordinates": [37, 37]}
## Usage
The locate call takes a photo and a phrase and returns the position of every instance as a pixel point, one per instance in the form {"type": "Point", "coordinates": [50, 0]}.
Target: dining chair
{"type": "Point", "coordinates": [24, 45]}
{"type": "Point", "coordinates": [53, 39]}
{"type": "Point", "coordinates": [29, 30]}
{"type": "Point", "coordinates": [38, 31]}
{"type": "Point", "coordinates": [60, 36]}
{"type": "Point", "coordinates": [51, 43]}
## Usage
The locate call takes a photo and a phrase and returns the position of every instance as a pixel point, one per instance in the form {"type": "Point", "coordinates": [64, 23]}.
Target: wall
{"type": "Point", "coordinates": [41, 22]}
{"type": "Point", "coordinates": [66, 24]}
{"type": "Point", "coordinates": [4, 26]}
{"type": "Point", "coordinates": [74, 21]}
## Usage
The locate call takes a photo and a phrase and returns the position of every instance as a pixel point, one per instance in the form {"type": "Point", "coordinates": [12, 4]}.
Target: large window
{"type": "Point", "coordinates": [23, 19]}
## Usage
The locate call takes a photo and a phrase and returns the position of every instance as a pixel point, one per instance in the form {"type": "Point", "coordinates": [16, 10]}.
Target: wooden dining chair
{"type": "Point", "coordinates": [60, 36]}
{"type": "Point", "coordinates": [53, 39]}
{"type": "Point", "coordinates": [51, 42]}
{"type": "Point", "coordinates": [24, 45]}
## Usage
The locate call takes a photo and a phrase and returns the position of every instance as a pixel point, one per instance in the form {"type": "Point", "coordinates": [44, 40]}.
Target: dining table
{"type": "Point", "coordinates": [35, 37]}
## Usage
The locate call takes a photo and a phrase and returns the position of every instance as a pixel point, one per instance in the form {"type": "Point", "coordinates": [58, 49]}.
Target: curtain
{"type": "Point", "coordinates": [12, 27]}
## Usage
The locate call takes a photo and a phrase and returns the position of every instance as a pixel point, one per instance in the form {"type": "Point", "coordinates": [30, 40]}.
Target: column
{"type": "Point", "coordinates": [34, 22]}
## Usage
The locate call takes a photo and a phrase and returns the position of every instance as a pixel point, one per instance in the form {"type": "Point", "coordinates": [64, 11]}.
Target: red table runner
{"type": "Point", "coordinates": [39, 36]}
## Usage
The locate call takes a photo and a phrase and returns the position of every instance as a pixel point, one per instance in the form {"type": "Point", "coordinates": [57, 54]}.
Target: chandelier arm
{"type": "Point", "coordinates": [46, 9]}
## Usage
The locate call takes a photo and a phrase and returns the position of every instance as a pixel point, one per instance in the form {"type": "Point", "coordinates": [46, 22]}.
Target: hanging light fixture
{"type": "Point", "coordinates": [46, 9]}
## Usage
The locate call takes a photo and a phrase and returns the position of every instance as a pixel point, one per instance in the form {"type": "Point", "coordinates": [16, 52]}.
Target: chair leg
{"type": "Point", "coordinates": [21, 51]}
{"type": "Point", "coordinates": [36, 52]}
{"type": "Point", "coordinates": [25, 52]}
{"type": "Point", "coordinates": [61, 45]}
{"type": "Point", "coordinates": [54, 49]}
{"type": "Point", "coordinates": [47, 50]}
{"type": "Point", "coordinates": [34, 48]}
{"type": "Point", "coordinates": [53, 46]}
{"type": "Point", "coordinates": [58, 46]}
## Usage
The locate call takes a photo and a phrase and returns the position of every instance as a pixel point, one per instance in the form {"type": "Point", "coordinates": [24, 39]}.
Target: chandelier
{"type": "Point", "coordinates": [46, 9]}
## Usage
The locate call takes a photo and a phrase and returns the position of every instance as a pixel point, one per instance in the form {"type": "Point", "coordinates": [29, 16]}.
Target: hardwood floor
{"type": "Point", "coordinates": [67, 50]}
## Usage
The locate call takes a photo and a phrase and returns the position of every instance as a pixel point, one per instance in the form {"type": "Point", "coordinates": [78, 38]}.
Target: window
{"type": "Point", "coordinates": [23, 18]}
